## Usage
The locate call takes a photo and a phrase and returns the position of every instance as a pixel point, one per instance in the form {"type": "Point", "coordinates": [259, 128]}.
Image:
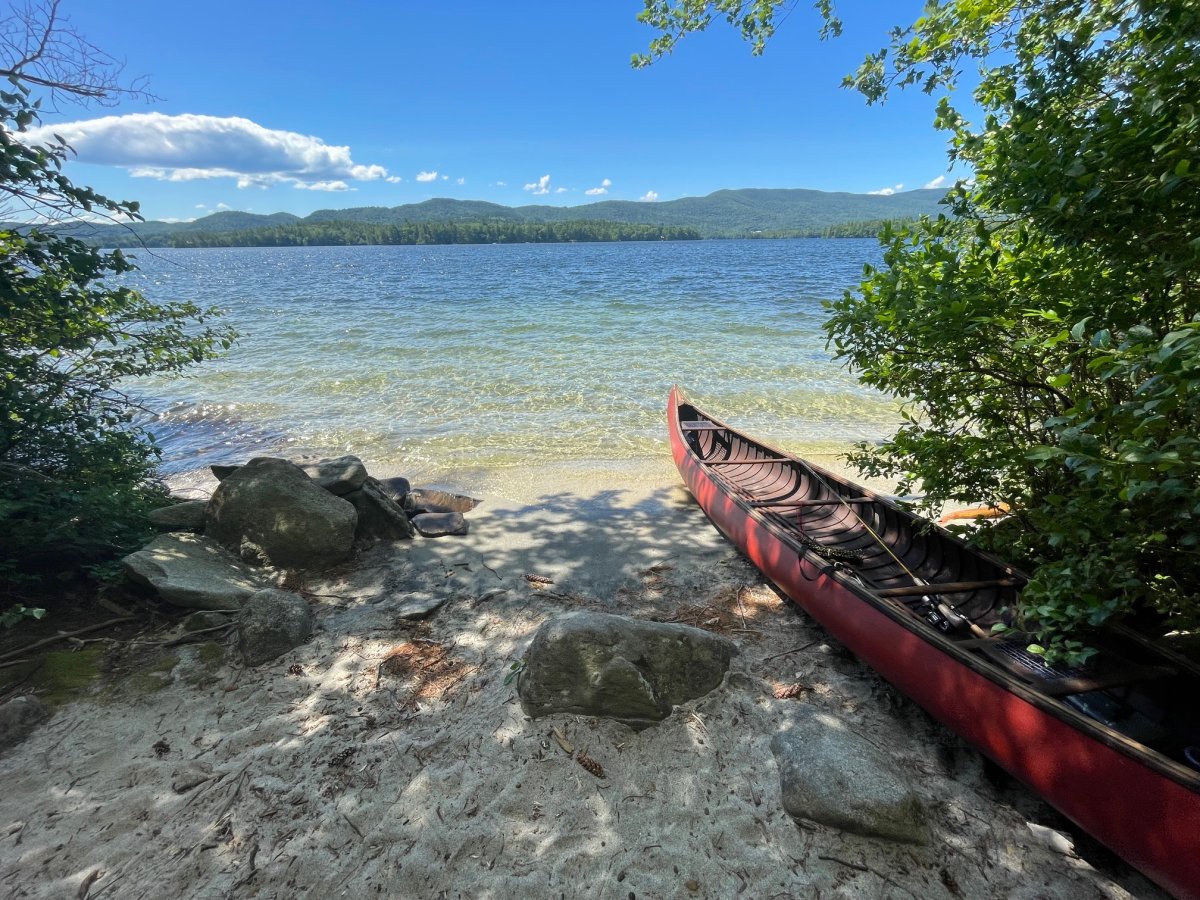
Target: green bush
{"type": "Point", "coordinates": [76, 475]}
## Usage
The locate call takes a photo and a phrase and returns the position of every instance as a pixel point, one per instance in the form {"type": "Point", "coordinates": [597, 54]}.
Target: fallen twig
{"type": "Point", "coordinates": [793, 650]}
{"type": "Point", "coordinates": [191, 635]}
{"type": "Point", "coordinates": [62, 636]}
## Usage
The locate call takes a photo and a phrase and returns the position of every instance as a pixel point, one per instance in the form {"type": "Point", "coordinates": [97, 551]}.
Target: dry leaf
{"type": "Point", "coordinates": [562, 741]}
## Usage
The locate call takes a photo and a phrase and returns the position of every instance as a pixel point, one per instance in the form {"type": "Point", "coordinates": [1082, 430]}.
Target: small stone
{"type": "Point", "coordinates": [394, 488]}
{"type": "Point", "coordinates": [435, 501]}
{"type": "Point", "coordinates": [190, 775]}
{"type": "Point", "coordinates": [18, 718]}
{"type": "Point", "coordinates": [440, 524]}
{"type": "Point", "coordinates": [828, 774]}
{"type": "Point", "coordinates": [185, 516]}
{"type": "Point", "coordinates": [339, 475]}
{"type": "Point", "coordinates": [420, 606]}
{"type": "Point", "coordinates": [380, 518]}
{"type": "Point", "coordinates": [272, 623]}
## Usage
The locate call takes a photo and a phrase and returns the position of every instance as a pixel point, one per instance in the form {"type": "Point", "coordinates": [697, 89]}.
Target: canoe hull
{"type": "Point", "coordinates": [1150, 820]}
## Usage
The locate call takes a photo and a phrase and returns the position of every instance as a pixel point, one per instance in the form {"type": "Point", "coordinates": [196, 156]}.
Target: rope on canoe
{"type": "Point", "coordinates": [833, 554]}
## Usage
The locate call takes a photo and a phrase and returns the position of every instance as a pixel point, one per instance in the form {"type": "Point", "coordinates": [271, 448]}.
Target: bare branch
{"type": "Point", "coordinates": [40, 48]}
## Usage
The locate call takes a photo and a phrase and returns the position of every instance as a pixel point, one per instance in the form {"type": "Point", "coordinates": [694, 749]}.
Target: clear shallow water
{"type": "Point", "coordinates": [455, 358]}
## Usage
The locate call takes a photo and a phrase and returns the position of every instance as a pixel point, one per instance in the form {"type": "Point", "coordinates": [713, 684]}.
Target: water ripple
{"type": "Point", "coordinates": [492, 356]}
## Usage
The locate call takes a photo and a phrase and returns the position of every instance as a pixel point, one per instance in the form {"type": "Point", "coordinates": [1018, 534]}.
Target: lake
{"type": "Point", "coordinates": [447, 359]}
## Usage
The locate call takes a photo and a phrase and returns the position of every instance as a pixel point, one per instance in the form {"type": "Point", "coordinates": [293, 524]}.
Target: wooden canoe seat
{"type": "Point", "coordinates": [702, 426]}
{"type": "Point", "coordinates": [946, 587]}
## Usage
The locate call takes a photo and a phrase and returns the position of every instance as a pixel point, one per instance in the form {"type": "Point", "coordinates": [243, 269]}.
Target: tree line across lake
{"type": "Point", "coordinates": [340, 234]}
{"type": "Point", "coordinates": [336, 234]}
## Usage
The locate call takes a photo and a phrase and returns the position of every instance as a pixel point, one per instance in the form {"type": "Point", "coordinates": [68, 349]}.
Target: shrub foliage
{"type": "Point", "coordinates": [75, 474]}
{"type": "Point", "coordinates": [1045, 335]}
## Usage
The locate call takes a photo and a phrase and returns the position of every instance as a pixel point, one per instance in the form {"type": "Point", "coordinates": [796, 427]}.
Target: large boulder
{"type": "Point", "coordinates": [380, 517]}
{"type": "Point", "coordinates": [193, 572]}
{"type": "Point", "coordinates": [271, 508]}
{"type": "Point", "coordinates": [340, 475]}
{"type": "Point", "coordinates": [595, 664]}
{"type": "Point", "coordinates": [271, 623]}
{"type": "Point", "coordinates": [830, 775]}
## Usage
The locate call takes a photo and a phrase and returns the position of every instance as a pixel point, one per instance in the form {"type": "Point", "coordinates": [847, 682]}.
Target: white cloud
{"type": "Point", "coordinates": [539, 187]}
{"type": "Point", "coordinates": [936, 183]}
{"type": "Point", "coordinates": [192, 147]}
{"type": "Point", "coordinates": [324, 186]}
{"type": "Point", "coordinates": [201, 206]}
{"type": "Point", "coordinates": [561, 190]}
{"type": "Point", "coordinates": [393, 179]}
{"type": "Point", "coordinates": [602, 189]}
{"type": "Point", "coordinates": [887, 191]}
{"type": "Point", "coordinates": [501, 184]}
{"type": "Point", "coordinates": [460, 181]}
{"type": "Point", "coordinates": [427, 176]}
{"type": "Point", "coordinates": [649, 197]}
{"type": "Point", "coordinates": [223, 206]}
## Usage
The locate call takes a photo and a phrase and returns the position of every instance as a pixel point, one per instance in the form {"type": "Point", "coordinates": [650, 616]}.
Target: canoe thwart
{"type": "Point", "coordinates": [745, 462]}
{"type": "Point", "coordinates": [792, 504]}
{"type": "Point", "coordinates": [946, 587]}
{"type": "Point", "coordinates": [1081, 684]}
{"type": "Point", "coordinates": [702, 426]}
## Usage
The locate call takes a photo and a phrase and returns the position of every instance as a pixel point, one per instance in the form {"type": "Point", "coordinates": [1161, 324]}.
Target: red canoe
{"type": "Point", "coordinates": [1114, 747]}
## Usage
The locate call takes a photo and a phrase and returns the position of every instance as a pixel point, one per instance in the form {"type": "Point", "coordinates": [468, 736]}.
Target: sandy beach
{"type": "Point", "coordinates": [392, 758]}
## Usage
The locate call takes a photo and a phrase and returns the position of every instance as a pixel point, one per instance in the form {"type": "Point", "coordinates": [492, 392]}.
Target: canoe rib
{"type": "Point", "coordinates": [1041, 725]}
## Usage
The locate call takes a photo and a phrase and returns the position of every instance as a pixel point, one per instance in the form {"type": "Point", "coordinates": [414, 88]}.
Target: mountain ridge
{"type": "Point", "coordinates": [729, 212]}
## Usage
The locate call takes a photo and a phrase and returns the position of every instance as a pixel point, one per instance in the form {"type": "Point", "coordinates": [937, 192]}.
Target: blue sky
{"type": "Point", "coordinates": [271, 106]}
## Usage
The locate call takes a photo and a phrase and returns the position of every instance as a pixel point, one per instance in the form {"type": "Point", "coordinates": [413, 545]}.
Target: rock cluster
{"type": "Point", "coordinates": [294, 516]}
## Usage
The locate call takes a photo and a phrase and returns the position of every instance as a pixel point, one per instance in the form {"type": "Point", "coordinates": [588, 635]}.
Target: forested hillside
{"type": "Point", "coordinates": [749, 212]}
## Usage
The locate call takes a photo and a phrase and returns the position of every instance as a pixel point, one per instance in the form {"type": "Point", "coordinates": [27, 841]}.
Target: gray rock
{"type": "Point", "coordinates": [380, 518]}
{"type": "Point", "coordinates": [193, 572]}
{"type": "Point", "coordinates": [272, 623]}
{"type": "Point", "coordinates": [271, 508]}
{"type": "Point", "coordinates": [222, 472]}
{"type": "Point", "coordinates": [396, 488]}
{"type": "Point", "coordinates": [420, 606]}
{"type": "Point", "coordinates": [185, 516]}
{"type": "Point", "coordinates": [339, 475]}
{"type": "Point", "coordinates": [18, 717]}
{"type": "Point", "coordinates": [435, 501]}
{"type": "Point", "coordinates": [832, 776]}
{"type": "Point", "coordinates": [440, 524]}
{"type": "Point", "coordinates": [595, 664]}
{"type": "Point", "coordinates": [190, 775]}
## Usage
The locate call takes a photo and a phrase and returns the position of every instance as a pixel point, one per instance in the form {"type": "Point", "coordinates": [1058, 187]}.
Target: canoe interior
{"type": "Point", "coordinates": [1134, 687]}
